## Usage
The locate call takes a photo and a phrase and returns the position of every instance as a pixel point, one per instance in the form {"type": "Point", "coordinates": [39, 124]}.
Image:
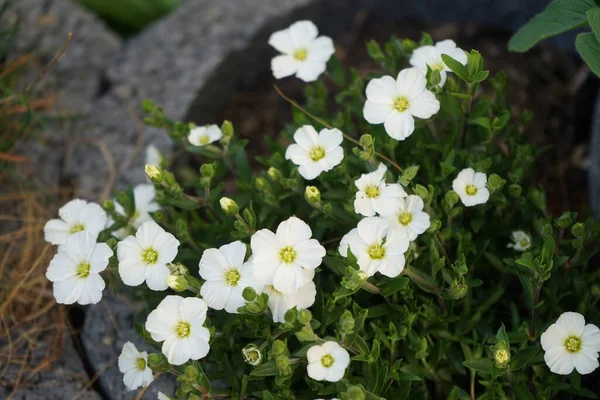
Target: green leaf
{"type": "Point", "coordinates": [456, 67]}
{"type": "Point", "coordinates": [575, 379]}
{"type": "Point", "coordinates": [560, 16]}
{"type": "Point", "coordinates": [501, 335]}
{"type": "Point", "coordinates": [522, 392]}
{"type": "Point", "coordinates": [522, 358]}
{"type": "Point", "coordinates": [484, 365]}
{"type": "Point", "coordinates": [589, 48]}
{"type": "Point", "coordinates": [267, 396]}
{"type": "Point", "coordinates": [593, 17]}
{"type": "Point", "coordinates": [267, 369]}
{"type": "Point", "coordinates": [394, 285]}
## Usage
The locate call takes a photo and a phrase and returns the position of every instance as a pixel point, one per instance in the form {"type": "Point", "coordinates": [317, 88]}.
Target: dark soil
{"type": "Point", "coordinates": [552, 84]}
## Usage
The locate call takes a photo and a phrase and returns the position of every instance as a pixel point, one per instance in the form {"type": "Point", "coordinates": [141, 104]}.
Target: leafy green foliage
{"type": "Point", "coordinates": [588, 47]}
{"type": "Point", "coordinates": [466, 313]}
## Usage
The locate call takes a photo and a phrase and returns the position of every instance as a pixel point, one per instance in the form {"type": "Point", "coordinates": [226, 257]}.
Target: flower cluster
{"type": "Point", "coordinates": [356, 265]}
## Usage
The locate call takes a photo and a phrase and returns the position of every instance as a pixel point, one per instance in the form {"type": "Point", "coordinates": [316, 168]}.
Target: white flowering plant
{"type": "Point", "coordinates": [389, 244]}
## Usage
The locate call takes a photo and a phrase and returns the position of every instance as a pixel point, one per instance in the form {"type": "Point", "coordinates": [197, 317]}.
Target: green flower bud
{"type": "Point", "coordinates": [495, 183]}
{"type": "Point", "coordinates": [328, 208]}
{"type": "Point", "coordinates": [261, 184]}
{"type": "Point", "coordinates": [112, 243]}
{"type": "Point", "coordinates": [274, 174]}
{"type": "Point", "coordinates": [148, 106]}
{"type": "Point", "coordinates": [158, 362]}
{"type": "Point", "coordinates": [578, 230]}
{"type": "Point", "coordinates": [153, 173]}
{"type": "Point", "coordinates": [564, 221]}
{"type": "Point", "coordinates": [191, 373]}
{"type": "Point", "coordinates": [291, 315]}
{"type": "Point", "coordinates": [436, 224]}
{"type": "Point", "coordinates": [249, 294]}
{"type": "Point", "coordinates": [181, 229]}
{"type": "Point", "coordinates": [193, 396]}
{"type": "Point", "coordinates": [207, 170]}
{"type": "Point", "coordinates": [279, 347]}
{"type": "Point", "coordinates": [421, 191]}
{"type": "Point", "coordinates": [346, 322]}
{"type": "Point", "coordinates": [159, 215]}
{"type": "Point", "coordinates": [304, 317]}
{"type": "Point", "coordinates": [181, 392]}
{"type": "Point", "coordinates": [178, 269]}
{"type": "Point", "coordinates": [355, 393]}
{"type": "Point", "coordinates": [306, 334]}
{"type": "Point", "coordinates": [252, 355]}
{"type": "Point", "coordinates": [177, 283]}
{"type": "Point", "coordinates": [366, 141]}
{"type": "Point", "coordinates": [547, 230]}
{"type": "Point", "coordinates": [108, 206]}
{"type": "Point", "coordinates": [410, 172]}
{"type": "Point", "coordinates": [312, 194]}
{"type": "Point", "coordinates": [229, 206]}
{"type": "Point", "coordinates": [501, 357]}
{"type": "Point", "coordinates": [514, 190]}
{"type": "Point", "coordinates": [458, 290]}
{"type": "Point", "coordinates": [451, 198]}
{"type": "Point", "coordinates": [204, 181]}
{"type": "Point", "coordinates": [254, 308]}
{"type": "Point", "coordinates": [169, 178]}
{"type": "Point", "coordinates": [227, 129]}
{"type": "Point", "coordinates": [435, 78]}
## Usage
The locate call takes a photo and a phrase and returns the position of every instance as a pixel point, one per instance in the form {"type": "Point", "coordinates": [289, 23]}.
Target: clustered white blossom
{"type": "Point", "coordinates": [282, 264]}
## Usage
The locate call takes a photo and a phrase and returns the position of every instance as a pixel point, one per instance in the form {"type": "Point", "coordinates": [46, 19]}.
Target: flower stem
{"type": "Point", "coordinates": [536, 299]}
{"type": "Point", "coordinates": [463, 133]}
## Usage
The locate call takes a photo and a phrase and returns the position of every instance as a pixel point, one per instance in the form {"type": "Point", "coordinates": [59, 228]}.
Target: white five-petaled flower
{"type": "Point", "coordinates": [409, 219]}
{"type": "Point", "coordinates": [571, 344]}
{"type": "Point", "coordinates": [279, 303]}
{"type": "Point", "coordinates": [374, 249]}
{"type": "Point", "coordinates": [431, 56]}
{"type": "Point", "coordinates": [303, 53]}
{"type": "Point", "coordinates": [134, 366]}
{"type": "Point", "coordinates": [395, 103]}
{"type": "Point", "coordinates": [153, 156]}
{"type": "Point", "coordinates": [252, 355]}
{"type": "Point", "coordinates": [375, 196]}
{"type": "Point", "coordinates": [144, 195]}
{"type": "Point", "coordinates": [178, 323]}
{"type": "Point", "coordinates": [315, 152]}
{"type": "Point", "coordinates": [520, 241]}
{"type": "Point", "coordinates": [162, 396]}
{"type": "Point", "coordinates": [288, 258]}
{"type": "Point", "coordinates": [203, 135]}
{"type": "Point", "coordinates": [327, 362]}
{"type": "Point", "coordinates": [75, 269]}
{"type": "Point", "coordinates": [226, 275]}
{"type": "Point", "coordinates": [144, 257]}
{"type": "Point", "coordinates": [75, 216]}
{"type": "Point", "coordinates": [470, 187]}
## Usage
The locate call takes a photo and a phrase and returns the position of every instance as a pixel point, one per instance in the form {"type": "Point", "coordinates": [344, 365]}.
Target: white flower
{"type": "Point", "coordinates": [144, 257]}
{"type": "Point", "coordinates": [395, 103]}
{"type": "Point", "coordinates": [75, 216]}
{"type": "Point", "coordinates": [470, 187]}
{"type": "Point", "coordinates": [432, 56]}
{"type": "Point", "coordinates": [134, 366]}
{"type": "Point", "coordinates": [162, 396]}
{"type": "Point", "coordinates": [203, 135]}
{"type": "Point", "coordinates": [286, 259]}
{"type": "Point", "coordinates": [327, 362]}
{"type": "Point", "coordinates": [153, 156]}
{"type": "Point", "coordinates": [144, 195]}
{"type": "Point", "coordinates": [374, 249]}
{"type": "Point", "coordinates": [252, 355]}
{"type": "Point", "coordinates": [303, 53]}
{"type": "Point", "coordinates": [571, 344]}
{"type": "Point", "coordinates": [375, 196]}
{"type": "Point", "coordinates": [315, 152]}
{"type": "Point", "coordinates": [226, 275]}
{"type": "Point", "coordinates": [178, 323]}
{"type": "Point", "coordinates": [520, 241]}
{"type": "Point", "coordinates": [75, 269]}
{"type": "Point", "coordinates": [409, 219]}
{"type": "Point", "coordinates": [280, 303]}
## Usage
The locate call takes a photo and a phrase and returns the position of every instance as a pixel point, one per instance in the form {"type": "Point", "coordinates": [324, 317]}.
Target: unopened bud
{"type": "Point", "coordinates": [158, 362]}
{"type": "Point", "coordinates": [249, 294]}
{"type": "Point", "coordinates": [578, 230]}
{"type": "Point", "coordinates": [495, 183]}
{"type": "Point", "coordinates": [207, 170]}
{"type": "Point", "coordinates": [501, 357]}
{"type": "Point", "coordinates": [291, 315]}
{"type": "Point", "coordinates": [458, 290]}
{"type": "Point", "coordinates": [564, 221]}
{"type": "Point", "coordinates": [304, 317]}
{"type": "Point", "coordinates": [279, 347]}
{"type": "Point", "coordinates": [421, 191]}
{"type": "Point", "coordinates": [346, 322]}
{"type": "Point", "coordinates": [229, 206]}
{"type": "Point", "coordinates": [108, 205]}
{"type": "Point", "coordinates": [312, 194]}
{"type": "Point", "coordinates": [274, 174]}
{"type": "Point", "coordinates": [177, 283]}
{"type": "Point", "coordinates": [227, 129]}
{"type": "Point", "coordinates": [153, 173]}
{"type": "Point", "coordinates": [515, 190]}
{"type": "Point", "coordinates": [261, 184]}
{"type": "Point", "coordinates": [355, 393]}
{"type": "Point", "coordinates": [366, 141]}
{"type": "Point", "coordinates": [451, 198]}
{"type": "Point", "coordinates": [410, 172]}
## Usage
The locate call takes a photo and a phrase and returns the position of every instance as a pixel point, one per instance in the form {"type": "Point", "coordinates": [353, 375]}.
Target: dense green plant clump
{"type": "Point", "coordinates": [445, 295]}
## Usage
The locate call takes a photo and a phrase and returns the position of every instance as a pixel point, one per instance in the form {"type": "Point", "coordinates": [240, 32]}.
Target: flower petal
{"type": "Point", "coordinates": [283, 66]}
{"type": "Point", "coordinates": [293, 231]}
{"type": "Point", "coordinates": [303, 33]}
{"type": "Point", "coordinates": [321, 49]}
{"type": "Point", "coordinates": [424, 106]}
{"type": "Point", "coordinates": [330, 138]}
{"type": "Point", "coordinates": [410, 83]}
{"type": "Point", "coordinates": [297, 154]}
{"type": "Point", "coordinates": [215, 293]}
{"type": "Point", "coordinates": [399, 125]}
{"type": "Point", "coordinates": [282, 41]}
{"type": "Point", "coordinates": [381, 91]}
{"type": "Point", "coordinates": [310, 253]}
{"type": "Point", "coordinates": [156, 277]}
{"type": "Point", "coordinates": [309, 70]}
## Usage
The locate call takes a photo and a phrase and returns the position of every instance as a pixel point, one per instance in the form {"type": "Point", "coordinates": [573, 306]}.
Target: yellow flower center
{"type": "Point", "coordinates": [327, 360]}
{"type": "Point", "coordinates": [471, 190]}
{"type": "Point", "coordinates": [405, 218]}
{"type": "Point", "coordinates": [301, 54]}
{"type": "Point", "coordinates": [140, 364]}
{"type": "Point", "coordinates": [232, 277]}
{"type": "Point", "coordinates": [252, 355]}
{"type": "Point", "coordinates": [524, 242]}
{"type": "Point", "coordinates": [271, 288]}
{"type": "Point", "coordinates": [376, 251]}
{"type": "Point", "coordinates": [287, 254]}
{"type": "Point", "coordinates": [401, 104]}
{"type": "Point", "coordinates": [76, 227]}
{"type": "Point", "coordinates": [149, 256]}
{"type": "Point", "coordinates": [204, 139]}
{"type": "Point", "coordinates": [316, 153]}
{"type": "Point", "coordinates": [135, 215]}
{"type": "Point", "coordinates": [573, 344]}
{"type": "Point", "coordinates": [83, 269]}
{"type": "Point", "coordinates": [502, 356]}
{"type": "Point", "coordinates": [438, 66]}
{"type": "Point", "coordinates": [182, 329]}
{"type": "Point", "coordinates": [372, 192]}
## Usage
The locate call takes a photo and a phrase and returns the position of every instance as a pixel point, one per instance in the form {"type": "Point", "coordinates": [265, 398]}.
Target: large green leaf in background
{"type": "Point", "coordinates": [589, 48]}
{"type": "Point", "coordinates": [593, 17]}
{"type": "Point", "coordinates": [560, 16]}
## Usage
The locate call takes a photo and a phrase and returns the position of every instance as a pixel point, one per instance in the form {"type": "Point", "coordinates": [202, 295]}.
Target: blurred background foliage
{"type": "Point", "coordinates": [128, 17]}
